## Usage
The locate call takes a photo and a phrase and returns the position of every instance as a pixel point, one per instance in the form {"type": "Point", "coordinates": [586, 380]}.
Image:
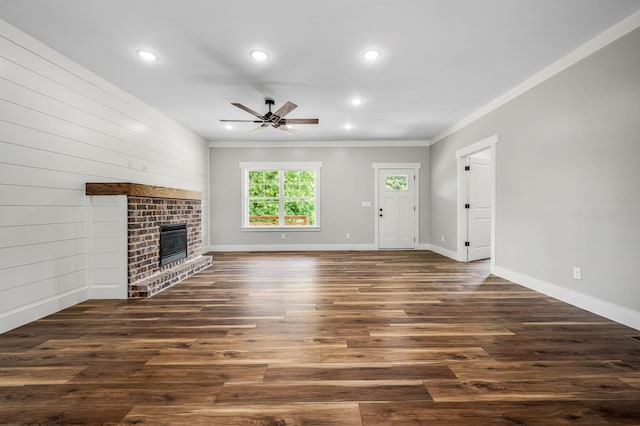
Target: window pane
{"type": "Point", "coordinates": [395, 183]}
{"type": "Point", "coordinates": [256, 184]}
{"type": "Point", "coordinates": [263, 212]}
{"type": "Point", "coordinates": [299, 212]}
{"type": "Point", "coordinates": [292, 183]}
{"type": "Point", "coordinates": [299, 183]}
{"type": "Point", "coordinates": [307, 183]}
{"type": "Point", "coordinates": [264, 183]}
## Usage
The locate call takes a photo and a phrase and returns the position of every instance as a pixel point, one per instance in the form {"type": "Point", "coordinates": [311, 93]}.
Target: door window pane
{"type": "Point", "coordinates": [396, 183]}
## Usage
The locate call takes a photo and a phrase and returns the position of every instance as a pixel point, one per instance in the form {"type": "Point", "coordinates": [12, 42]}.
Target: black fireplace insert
{"type": "Point", "coordinates": [173, 243]}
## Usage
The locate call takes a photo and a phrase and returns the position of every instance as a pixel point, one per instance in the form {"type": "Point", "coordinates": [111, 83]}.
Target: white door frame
{"type": "Point", "coordinates": [461, 156]}
{"type": "Point", "coordinates": [416, 192]}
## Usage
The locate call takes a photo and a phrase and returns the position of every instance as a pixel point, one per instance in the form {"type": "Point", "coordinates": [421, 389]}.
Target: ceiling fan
{"type": "Point", "coordinates": [273, 119]}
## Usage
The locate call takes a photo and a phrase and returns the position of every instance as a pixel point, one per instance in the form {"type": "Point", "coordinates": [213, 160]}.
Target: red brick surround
{"type": "Point", "coordinates": [145, 215]}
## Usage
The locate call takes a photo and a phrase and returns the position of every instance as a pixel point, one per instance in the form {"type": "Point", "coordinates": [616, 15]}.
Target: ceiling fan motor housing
{"type": "Point", "coordinates": [269, 102]}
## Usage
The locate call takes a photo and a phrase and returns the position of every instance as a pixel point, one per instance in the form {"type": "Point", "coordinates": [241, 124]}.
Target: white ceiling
{"type": "Point", "coordinates": [441, 59]}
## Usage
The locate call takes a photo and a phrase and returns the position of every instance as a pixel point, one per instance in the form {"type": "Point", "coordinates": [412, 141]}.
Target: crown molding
{"type": "Point", "coordinates": [317, 144]}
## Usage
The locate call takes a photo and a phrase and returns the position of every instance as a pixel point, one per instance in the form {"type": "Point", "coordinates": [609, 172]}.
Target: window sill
{"type": "Point", "coordinates": [280, 228]}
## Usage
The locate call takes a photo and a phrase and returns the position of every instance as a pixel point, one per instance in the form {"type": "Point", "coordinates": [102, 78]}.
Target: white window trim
{"type": "Point", "coordinates": [253, 166]}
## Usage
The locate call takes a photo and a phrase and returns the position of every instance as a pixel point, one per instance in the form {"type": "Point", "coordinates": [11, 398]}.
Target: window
{"type": "Point", "coordinates": [396, 183]}
{"type": "Point", "coordinates": [280, 195]}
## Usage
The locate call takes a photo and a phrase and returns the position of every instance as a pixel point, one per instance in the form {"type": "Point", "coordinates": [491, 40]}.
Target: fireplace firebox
{"type": "Point", "coordinates": [173, 243]}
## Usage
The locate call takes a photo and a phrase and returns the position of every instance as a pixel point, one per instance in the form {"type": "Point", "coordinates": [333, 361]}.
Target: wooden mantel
{"type": "Point", "coordinates": [140, 190]}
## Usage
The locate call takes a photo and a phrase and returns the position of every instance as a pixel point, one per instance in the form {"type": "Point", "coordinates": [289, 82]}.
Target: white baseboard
{"type": "Point", "coordinates": [40, 309]}
{"type": "Point", "coordinates": [290, 247]}
{"type": "Point", "coordinates": [603, 308]}
{"type": "Point", "coordinates": [443, 251]}
{"type": "Point", "coordinates": [109, 291]}
{"type": "Point", "coordinates": [302, 247]}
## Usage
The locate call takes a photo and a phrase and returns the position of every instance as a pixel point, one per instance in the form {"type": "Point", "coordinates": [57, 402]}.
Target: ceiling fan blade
{"type": "Point", "coordinates": [259, 128]}
{"type": "Point", "coordinates": [249, 110]}
{"type": "Point", "coordinates": [301, 121]}
{"type": "Point", "coordinates": [288, 129]}
{"type": "Point", "coordinates": [285, 109]}
{"type": "Point", "coordinates": [242, 121]}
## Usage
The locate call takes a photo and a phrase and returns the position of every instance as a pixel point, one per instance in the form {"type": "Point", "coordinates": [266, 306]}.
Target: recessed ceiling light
{"type": "Point", "coordinates": [371, 54]}
{"type": "Point", "coordinates": [147, 56]}
{"type": "Point", "coordinates": [228, 126]}
{"type": "Point", "coordinates": [259, 55]}
{"type": "Point", "coordinates": [348, 126]}
{"type": "Point", "coordinates": [356, 101]}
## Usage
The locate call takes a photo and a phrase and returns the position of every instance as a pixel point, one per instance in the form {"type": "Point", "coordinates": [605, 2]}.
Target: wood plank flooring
{"type": "Point", "coordinates": [325, 338]}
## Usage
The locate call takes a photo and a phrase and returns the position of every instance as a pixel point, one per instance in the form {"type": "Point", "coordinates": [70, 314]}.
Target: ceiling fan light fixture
{"type": "Point", "coordinates": [259, 55]}
{"type": "Point", "coordinates": [371, 54]}
{"type": "Point", "coordinates": [147, 55]}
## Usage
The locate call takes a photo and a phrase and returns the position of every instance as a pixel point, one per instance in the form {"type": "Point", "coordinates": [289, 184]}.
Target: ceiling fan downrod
{"type": "Point", "coordinates": [269, 102]}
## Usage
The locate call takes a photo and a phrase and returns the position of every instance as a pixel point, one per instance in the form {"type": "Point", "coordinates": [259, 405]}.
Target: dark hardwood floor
{"type": "Point", "coordinates": [325, 338]}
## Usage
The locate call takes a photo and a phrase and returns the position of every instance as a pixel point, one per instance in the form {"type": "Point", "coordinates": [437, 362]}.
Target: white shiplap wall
{"type": "Point", "coordinates": [61, 126]}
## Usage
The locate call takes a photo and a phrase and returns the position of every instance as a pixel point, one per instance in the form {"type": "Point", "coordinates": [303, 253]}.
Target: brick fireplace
{"type": "Point", "coordinates": [148, 208]}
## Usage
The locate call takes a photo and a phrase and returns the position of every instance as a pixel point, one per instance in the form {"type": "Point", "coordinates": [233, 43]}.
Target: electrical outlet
{"type": "Point", "coordinates": [283, 236]}
{"type": "Point", "coordinates": [442, 238]}
{"type": "Point", "coordinates": [347, 236]}
{"type": "Point", "coordinates": [577, 273]}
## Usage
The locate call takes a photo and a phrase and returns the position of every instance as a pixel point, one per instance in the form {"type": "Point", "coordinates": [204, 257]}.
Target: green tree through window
{"type": "Point", "coordinates": [264, 197]}
{"type": "Point", "coordinates": [284, 197]}
{"type": "Point", "coordinates": [299, 195]}
{"type": "Point", "coordinates": [396, 183]}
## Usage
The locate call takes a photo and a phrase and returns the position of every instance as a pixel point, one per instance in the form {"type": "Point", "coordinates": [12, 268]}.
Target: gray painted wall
{"type": "Point", "coordinates": [568, 181]}
{"type": "Point", "coordinates": [346, 178]}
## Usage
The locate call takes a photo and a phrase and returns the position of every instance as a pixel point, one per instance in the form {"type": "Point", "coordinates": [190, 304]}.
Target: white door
{"type": "Point", "coordinates": [396, 208]}
{"type": "Point", "coordinates": [479, 209]}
